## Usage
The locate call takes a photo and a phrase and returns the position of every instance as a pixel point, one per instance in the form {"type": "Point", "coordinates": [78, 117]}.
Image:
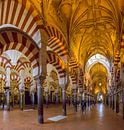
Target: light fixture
{"type": "Point", "coordinates": [100, 84]}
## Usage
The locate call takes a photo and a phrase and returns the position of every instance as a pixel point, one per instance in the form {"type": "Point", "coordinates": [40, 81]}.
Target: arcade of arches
{"type": "Point", "coordinates": [62, 52]}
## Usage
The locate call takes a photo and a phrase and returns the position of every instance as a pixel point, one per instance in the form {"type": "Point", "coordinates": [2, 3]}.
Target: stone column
{"type": "Point", "coordinates": [47, 98]}
{"type": "Point", "coordinates": [40, 81]}
{"type": "Point", "coordinates": [57, 98]}
{"type": "Point", "coordinates": [117, 103]}
{"type": "Point", "coordinates": [80, 98]}
{"type": "Point", "coordinates": [51, 96]}
{"type": "Point", "coordinates": [85, 98]}
{"type": "Point", "coordinates": [107, 101]}
{"type": "Point", "coordinates": [42, 72]}
{"type": "Point", "coordinates": [75, 98]}
{"type": "Point", "coordinates": [64, 82]}
{"type": "Point", "coordinates": [88, 99]}
{"type": "Point", "coordinates": [64, 102]}
{"type": "Point", "coordinates": [21, 99]}
{"type": "Point", "coordinates": [81, 93]}
{"type": "Point", "coordinates": [8, 88]}
{"type": "Point", "coordinates": [22, 89]}
{"type": "Point", "coordinates": [40, 99]}
{"type": "Point", "coordinates": [33, 100]}
{"type": "Point", "coordinates": [110, 101]}
{"type": "Point", "coordinates": [8, 98]}
{"type": "Point", "coordinates": [113, 103]}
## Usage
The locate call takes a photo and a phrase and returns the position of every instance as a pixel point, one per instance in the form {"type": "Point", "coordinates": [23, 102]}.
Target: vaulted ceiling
{"type": "Point", "coordinates": [99, 77]}
{"type": "Point", "coordinates": [81, 27]}
{"type": "Point", "coordinates": [88, 26]}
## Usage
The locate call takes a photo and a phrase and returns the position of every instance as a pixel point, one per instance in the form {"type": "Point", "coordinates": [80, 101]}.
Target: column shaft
{"type": "Point", "coordinates": [75, 99]}
{"type": "Point", "coordinates": [47, 98]}
{"type": "Point", "coordinates": [117, 103]}
{"type": "Point", "coordinates": [33, 100]}
{"type": "Point", "coordinates": [64, 101]}
{"type": "Point", "coordinates": [8, 99]}
{"type": "Point", "coordinates": [21, 100]}
{"type": "Point", "coordinates": [40, 101]}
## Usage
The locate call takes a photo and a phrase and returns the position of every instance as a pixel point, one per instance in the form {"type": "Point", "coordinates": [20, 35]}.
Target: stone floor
{"type": "Point", "coordinates": [98, 117]}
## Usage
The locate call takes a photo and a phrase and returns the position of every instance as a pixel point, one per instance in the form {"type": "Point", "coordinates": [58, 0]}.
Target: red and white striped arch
{"type": "Point", "coordinates": [4, 62]}
{"type": "Point", "coordinates": [55, 60]}
{"type": "Point", "coordinates": [57, 42]}
{"type": "Point", "coordinates": [73, 76]}
{"type": "Point", "coordinates": [73, 66]}
{"type": "Point", "coordinates": [73, 62]}
{"type": "Point", "coordinates": [14, 39]}
{"type": "Point", "coordinates": [81, 78]}
{"type": "Point", "coordinates": [21, 14]}
{"type": "Point", "coordinates": [21, 66]}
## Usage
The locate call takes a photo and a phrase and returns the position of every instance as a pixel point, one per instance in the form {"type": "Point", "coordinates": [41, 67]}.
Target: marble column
{"type": "Point", "coordinates": [88, 100]}
{"type": "Point", "coordinates": [107, 98]}
{"type": "Point", "coordinates": [42, 72]}
{"type": "Point", "coordinates": [75, 98]}
{"type": "Point", "coordinates": [81, 93]}
{"type": "Point", "coordinates": [8, 98]}
{"type": "Point", "coordinates": [33, 100]}
{"type": "Point", "coordinates": [40, 99]}
{"type": "Point", "coordinates": [113, 102]}
{"type": "Point", "coordinates": [51, 96]}
{"type": "Point", "coordinates": [57, 98]}
{"type": "Point", "coordinates": [8, 88]}
{"type": "Point", "coordinates": [22, 89]}
{"type": "Point", "coordinates": [117, 103]}
{"type": "Point", "coordinates": [21, 100]}
{"type": "Point", "coordinates": [64, 102]}
{"type": "Point", "coordinates": [47, 98]}
{"type": "Point", "coordinates": [108, 101]}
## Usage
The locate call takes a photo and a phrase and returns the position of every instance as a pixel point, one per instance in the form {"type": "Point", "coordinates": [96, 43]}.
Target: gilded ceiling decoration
{"type": "Point", "coordinates": [88, 26]}
{"type": "Point", "coordinates": [83, 28]}
{"type": "Point", "coordinates": [78, 28]}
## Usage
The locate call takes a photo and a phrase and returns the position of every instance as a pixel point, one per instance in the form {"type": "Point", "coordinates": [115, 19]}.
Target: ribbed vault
{"type": "Point", "coordinates": [99, 77]}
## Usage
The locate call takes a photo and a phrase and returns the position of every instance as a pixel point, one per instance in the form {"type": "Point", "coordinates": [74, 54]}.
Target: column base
{"type": "Point", "coordinates": [40, 119]}
{"type": "Point", "coordinates": [64, 113]}
{"type": "Point", "coordinates": [21, 109]}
